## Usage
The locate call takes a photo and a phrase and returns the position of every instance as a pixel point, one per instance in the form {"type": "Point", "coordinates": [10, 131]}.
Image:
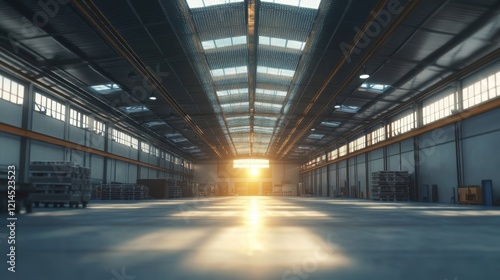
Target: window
{"type": "Point", "coordinates": [78, 119]}
{"type": "Point", "coordinates": [357, 144]}
{"type": "Point", "coordinates": [333, 154]}
{"type": "Point", "coordinates": [154, 151]}
{"type": "Point", "coordinates": [343, 151]}
{"type": "Point", "coordinates": [481, 91]}
{"type": "Point", "coordinates": [98, 127]}
{"type": "Point", "coordinates": [145, 147]}
{"type": "Point", "coordinates": [403, 124]}
{"type": "Point", "coordinates": [125, 139]}
{"type": "Point", "coordinates": [50, 107]}
{"type": "Point", "coordinates": [378, 135]}
{"type": "Point", "coordinates": [438, 109]}
{"type": "Point", "coordinates": [11, 91]}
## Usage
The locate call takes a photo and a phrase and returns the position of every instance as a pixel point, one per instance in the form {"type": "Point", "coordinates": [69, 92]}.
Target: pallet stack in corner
{"type": "Point", "coordinates": [390, 186]}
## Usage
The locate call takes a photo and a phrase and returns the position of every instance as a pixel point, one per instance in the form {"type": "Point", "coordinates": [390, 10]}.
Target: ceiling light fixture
{"type": "Point", "coordinates": [337, 106]}
{"type": "Point", "coordinates": [152, 98]}
{"type": "Point", "coordinates": [364, 75]}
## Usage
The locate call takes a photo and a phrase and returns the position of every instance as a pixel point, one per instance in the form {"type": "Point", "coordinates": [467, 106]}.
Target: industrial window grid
{"type": "Point", "coordinates": [343, 151]}
{"type": "Point", "coordinates": [481, 91]}
{"type": "Point", "coordinates": [154, 151]}
{"type": "Point", "coordinates": [333, 154]}
{"type": "Point", "coordinates": [78, 119]}
{"type": "Point", "coordinates": [50, 107]}
{"type": "Point", "coordinates": [98, 127]}
{"type": "Point", "coordinates": [124, 138]}
{"type": "Point", "coordinates": [11, 91]}
{"type": "Point", "coordinates": [358, 144]}
{"type": "Point", "coordinates": [377, 135]}
{"type": "Point", "coordinates": [145, 148]}
{"type": "Point", "coordinates": [438, 109]}
{"type": "Point", "coordinates": [403, 124]}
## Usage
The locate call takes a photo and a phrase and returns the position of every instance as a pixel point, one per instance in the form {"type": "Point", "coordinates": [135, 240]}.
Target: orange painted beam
{"type": "Point", "coordinates": [63, 143]}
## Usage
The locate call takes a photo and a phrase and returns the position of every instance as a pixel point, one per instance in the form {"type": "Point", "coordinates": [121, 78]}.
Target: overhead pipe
{"type": "Point", "coordinates": [91, 12]}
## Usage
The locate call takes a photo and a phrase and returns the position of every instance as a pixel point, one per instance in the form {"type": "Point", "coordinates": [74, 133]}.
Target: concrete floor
{"type": "Point", "coordinates": [257, 238]}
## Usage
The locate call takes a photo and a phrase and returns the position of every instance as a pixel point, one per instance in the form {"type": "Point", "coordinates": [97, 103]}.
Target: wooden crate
{"type": "Point", "coordinates": [470, 195]}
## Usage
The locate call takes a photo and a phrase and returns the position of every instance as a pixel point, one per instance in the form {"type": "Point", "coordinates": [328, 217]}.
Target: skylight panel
{"type": "Point", "coordinates": [194, 4]}
{"type": "Point", "coordinates": [172, 134]}
{"type": "Point", "coordinates": [232, 92]}
{"type": "Point", "coordinates": [316, 136]}
{"type": "Point", "coordinates": [348, 109]}
{"type": "Point", "coordinates": [271, 92]}
{"type": "Point", "coordinates": [105, 88]}
{"type": "Point", "coordinates": [273, 105]}
{"type": "Point", "coordinates": [282, 43]}
{"type": "Point", "coordinates": [207, 45]}
{"type": "Point", "coordinates": [134, 109]}
{"type": "Point", "coordinates": [330, 124]}
{"type": "Point", "coordinates": [278, 42]}
{"type": "Point", "coordinates": [235, 104]}
{"type": "Point", "coordinates": [229, 71]}
{"type": "Point", "coordinates": [178, 140]}
{"type": "Point", "coordinates": [378, 88]}
{"type": "Point", "coordinates": [307, 4]}
{"type": "Point", "coordinates": [154, 123]}
{"type": "Point", "coordinates": [292, 44]}
{"type": "Point", "coordinates": [275, 71]}
{"type": "Point", "coordinates": [221, 43]}
{"type": "Point", "coordinates": [238, 118]}
{"type": "Point", "coordinates": [263, 129]}
{"type": "Point", "coordinates": [236, 129]}
{"type": "Point", "coordinates": [266, 118]}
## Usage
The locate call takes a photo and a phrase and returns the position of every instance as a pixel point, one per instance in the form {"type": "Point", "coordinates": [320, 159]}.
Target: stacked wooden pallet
{"type": "Point", "coordinates": [470, 195]}
{"type": "Point", "coordinates": [121, 192]}
{"type": "Point", "coordinates": [390, 186]}
{"type": "Point", "coordinates": [174, 192]}
{"type": "Point", "coordinates": [59, 182]}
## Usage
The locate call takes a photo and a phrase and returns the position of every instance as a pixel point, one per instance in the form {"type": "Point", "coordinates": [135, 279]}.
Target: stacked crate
{"type": "Point", "coordinates": [390, 186]}
{"type": "Point", "coordinates": [470, 195]}
{"type": "Point", "coordinates": [121, 192]}
{"type": "Point", "coordinates": [59, 182]}
{"type": "Point", "coordinates": [174, 192]}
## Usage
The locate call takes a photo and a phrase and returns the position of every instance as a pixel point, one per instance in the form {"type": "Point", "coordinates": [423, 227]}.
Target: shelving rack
{"type": "Point", "coordinates": [60, 182]}
{"type": "Point", "coordinates": [390, 186]}
{"type": "Point", "coordinates": [121, 192]}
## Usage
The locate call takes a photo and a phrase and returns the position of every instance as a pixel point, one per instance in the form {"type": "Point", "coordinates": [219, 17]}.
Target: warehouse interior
{"type": "Point", "coordinates": [250, 139]}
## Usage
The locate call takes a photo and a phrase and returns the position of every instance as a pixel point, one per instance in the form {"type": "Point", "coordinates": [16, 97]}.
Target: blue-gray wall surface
{"type": "Point", "coordinates": [475, 140]}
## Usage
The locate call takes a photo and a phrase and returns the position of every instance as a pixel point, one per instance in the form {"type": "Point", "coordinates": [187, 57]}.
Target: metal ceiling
{"type": "Point", "coordinates": [246, 78]}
